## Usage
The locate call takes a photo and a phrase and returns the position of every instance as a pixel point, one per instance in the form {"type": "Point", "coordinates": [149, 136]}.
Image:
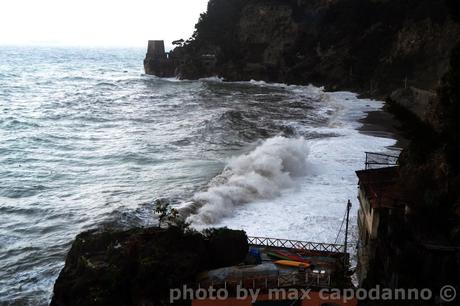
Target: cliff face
{"type": "Point", "coordinates": [375, 47]}
{"type": "Point", "coordinates": [430, 164]}
{"type": "Point", "coordinates": [139, 266]}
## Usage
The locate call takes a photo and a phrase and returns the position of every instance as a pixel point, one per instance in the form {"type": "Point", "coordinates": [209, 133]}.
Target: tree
{"type": "Point", "coordinates": [179, 42]}
{"type": "Point", "coordinates": [170, 216]}
{"type": "Point", "coordinates": [176, 220]}
{"type": "Point", "coordinates": [162, 209]}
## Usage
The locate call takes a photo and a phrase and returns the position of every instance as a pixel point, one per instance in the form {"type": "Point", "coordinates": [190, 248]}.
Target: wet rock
{"type": "Point", "coordinates": [139, 266]}
{"type": "Point", "coordinates": [415, 100]}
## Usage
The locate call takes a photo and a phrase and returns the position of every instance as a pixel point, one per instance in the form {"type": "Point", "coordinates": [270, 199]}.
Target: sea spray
{"type": "Point", "coordinates": [260, 174]}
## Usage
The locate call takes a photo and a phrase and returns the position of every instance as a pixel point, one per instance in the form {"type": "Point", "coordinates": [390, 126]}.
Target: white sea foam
{"type": "Point", "coordinates": [314, 209]}
{"type": "Point", "coordinates": [215, 78]}
{"type": "Point", "coordinates": [260, 174]}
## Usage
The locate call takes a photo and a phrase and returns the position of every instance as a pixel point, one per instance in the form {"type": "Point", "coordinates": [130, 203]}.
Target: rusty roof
{"type": "Point", "coordinates": [381, 187]}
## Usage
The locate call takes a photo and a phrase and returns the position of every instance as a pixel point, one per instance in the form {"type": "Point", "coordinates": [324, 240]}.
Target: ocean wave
{"type": "Point", "coordinates": [260, 174]}
{"type": "Point", "coordinates": [212, 79]}
{"type": "Point", "coordinates": [106, 84]}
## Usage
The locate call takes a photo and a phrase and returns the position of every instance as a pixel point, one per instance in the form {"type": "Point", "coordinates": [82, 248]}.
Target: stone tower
{"type": "Point", "coordinates": [156, 49]}
{"type": "Point", "coordinates": [156, 60]}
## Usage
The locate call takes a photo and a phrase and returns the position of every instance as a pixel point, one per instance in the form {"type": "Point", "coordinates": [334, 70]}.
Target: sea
{"type": "Point", "coordinates": [88, 141]}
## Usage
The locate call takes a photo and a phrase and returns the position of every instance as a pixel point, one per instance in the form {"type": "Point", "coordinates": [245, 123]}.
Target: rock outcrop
{"type": "Point", "coordinates": [139, 266]}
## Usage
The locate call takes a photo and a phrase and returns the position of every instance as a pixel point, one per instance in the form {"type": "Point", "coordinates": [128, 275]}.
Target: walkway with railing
{"type": "Point", "coordinates": [296, 244]}
{"type": "Point", "coordinates": [319, 277]}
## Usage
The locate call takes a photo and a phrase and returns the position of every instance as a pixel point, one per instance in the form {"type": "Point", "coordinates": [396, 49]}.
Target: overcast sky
{"type": "Point", "coordinates": [97, 22]}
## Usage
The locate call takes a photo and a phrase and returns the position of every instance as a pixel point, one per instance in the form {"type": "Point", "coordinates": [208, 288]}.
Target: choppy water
{"type": "Point", "coordinates": [86, 140]}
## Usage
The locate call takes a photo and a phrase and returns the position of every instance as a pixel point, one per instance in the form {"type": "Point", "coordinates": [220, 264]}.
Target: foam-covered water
{"type": "Point", "coordinates": [261, 174]}
{"type": "Point", "coordinates": [88, 141]}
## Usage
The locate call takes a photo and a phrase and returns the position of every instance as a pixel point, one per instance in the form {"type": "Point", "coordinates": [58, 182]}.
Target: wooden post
{"type": "Point", "coordinates": [345, 246]}
{"type": "Point", "coordinates": [346, 227]}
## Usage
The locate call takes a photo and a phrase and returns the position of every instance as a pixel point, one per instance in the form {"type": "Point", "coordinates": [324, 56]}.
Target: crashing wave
{"type": "Point", "coordinates": [260, 174]}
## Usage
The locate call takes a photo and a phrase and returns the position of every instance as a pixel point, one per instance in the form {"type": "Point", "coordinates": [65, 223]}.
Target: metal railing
{"type": "Point", "coordinates": [380, 160]}
{"type": "Point", "coordinates": [321, 279]}
{"type": "Point", "coordinates": [296, 244]}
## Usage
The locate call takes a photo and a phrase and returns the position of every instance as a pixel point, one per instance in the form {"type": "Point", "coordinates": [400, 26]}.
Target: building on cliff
{"type": "Point", "coordinates": [394, 250]}
{"type": "Point", "coordinates": [378, 196]}
{"type": "Point", "coordinates": [378, 189]}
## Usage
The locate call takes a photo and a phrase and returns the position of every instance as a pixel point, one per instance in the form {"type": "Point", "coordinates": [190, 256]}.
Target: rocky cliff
{"type": "Point", "coordinates": [376, 47]}
{"type": "Point", "coordinates": [342, 43]}
{"type": "Point", "coordinates": [139, 266]}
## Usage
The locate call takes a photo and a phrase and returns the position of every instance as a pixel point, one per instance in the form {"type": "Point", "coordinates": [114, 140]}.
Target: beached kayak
{"type": "Point", "coordinates": [291, 263]}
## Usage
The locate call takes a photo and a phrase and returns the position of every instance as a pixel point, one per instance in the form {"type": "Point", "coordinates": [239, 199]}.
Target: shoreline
{"type": "Point", "coordinates": [383, 124]}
